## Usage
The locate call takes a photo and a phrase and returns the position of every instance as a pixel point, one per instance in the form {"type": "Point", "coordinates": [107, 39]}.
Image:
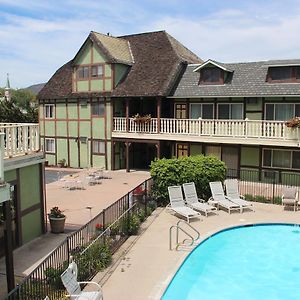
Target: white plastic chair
{"type": "Point", "coordinates": [193, 201]}
{"type": "Point", "coordinates": [177, 204]}
{"type": "Point", "coordinates": [290, 197]}
{"type": "Point", "coordinates": [69, 279]}
{"type": "Point", "coordinates": [219, 198]}
{"type": "Point", "coordinates": [232, 193]}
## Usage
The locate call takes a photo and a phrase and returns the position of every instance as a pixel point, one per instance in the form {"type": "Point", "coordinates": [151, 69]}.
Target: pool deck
{"type": "Point", "coordinates": [147, 267]}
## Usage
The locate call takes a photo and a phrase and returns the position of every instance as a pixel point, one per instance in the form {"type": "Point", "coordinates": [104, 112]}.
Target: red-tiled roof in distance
{"type": "Point", "coordinates": [157, 61]}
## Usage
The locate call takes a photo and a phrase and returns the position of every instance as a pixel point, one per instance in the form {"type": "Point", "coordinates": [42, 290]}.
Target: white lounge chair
{"type": "Point", "coordinates": [177, 204]}
{"type": "Point", "coordinates": [193, 201]}
{"type": "Point", "coordinates": [290, 197]}
{"type": "Point", "coordinates": [232, 194]}
{"type": "Point", "coordinates": [69, 279]}
{"type": "Point", "coordinates": [218, 197]}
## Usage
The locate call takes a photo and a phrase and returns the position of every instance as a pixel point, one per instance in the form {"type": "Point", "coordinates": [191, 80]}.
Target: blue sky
{"type": "Point", "coordinates": [38, 36]}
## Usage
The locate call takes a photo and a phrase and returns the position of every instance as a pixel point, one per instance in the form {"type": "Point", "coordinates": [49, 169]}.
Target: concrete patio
{"type": "Point", "coordinates": [147, 267]}
{"type": "Point", "coordinates": [74, 204]}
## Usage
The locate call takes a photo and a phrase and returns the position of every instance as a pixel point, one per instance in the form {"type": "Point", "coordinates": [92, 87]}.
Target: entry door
{"type": "Point", "coordinates": [182, 150]}
{"type": "Point", "coordinates": [84, 152]}
{"type": "Point", "coordinates": [230, 156]}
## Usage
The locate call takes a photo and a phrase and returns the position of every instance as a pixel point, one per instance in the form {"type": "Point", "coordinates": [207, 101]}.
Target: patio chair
{"type": "Point", "coordinates": [218, 198]}
{"type": "Point", "coordinates": [232, 194]}
{"type": "Point", "coordinates": [193, 201]}
{"type": "Point", "coordinates": [177, 204]}
{"type": "Point", "coordinates": [69, 279]}
{"type": "Point", "coordinates": [290, 197]}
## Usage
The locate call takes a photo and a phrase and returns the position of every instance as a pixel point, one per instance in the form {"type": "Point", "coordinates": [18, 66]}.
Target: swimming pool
{"type": "Point", "coordinates": [242, 263]}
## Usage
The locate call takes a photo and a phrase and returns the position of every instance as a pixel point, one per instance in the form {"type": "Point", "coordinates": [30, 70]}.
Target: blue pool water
{"type": "Point", "coordinates": [243, 263]}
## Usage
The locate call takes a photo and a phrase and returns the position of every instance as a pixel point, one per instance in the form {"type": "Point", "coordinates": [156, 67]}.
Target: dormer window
{"type": "Point", "coordinates": [211, 76]}
{"type": "Point", "coordinates": [97, 71]}
{"type": "Point", "coordinates": [83, 72]}
{"type": "Point", "coordinates": [284, 74]}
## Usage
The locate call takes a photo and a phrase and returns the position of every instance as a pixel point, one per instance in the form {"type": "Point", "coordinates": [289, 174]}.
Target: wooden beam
{"type": "Point", "coordinates": [158, 99]}
{"type": "Point", "coordinates": [127, 114]}
{"type": "Point", "coordinates": [127, 157]}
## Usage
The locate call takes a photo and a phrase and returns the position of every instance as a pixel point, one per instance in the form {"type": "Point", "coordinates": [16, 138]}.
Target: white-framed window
{"type": "Point", "coordinates": [98, 147]}
{"type": "Point", "coordinates": [49, 111]}
{"type": "Point", "coordinates": [230, 111]}
{"type": "Point", "coordinates": [202, 110]}
{"type": "Point", "coordinates": [97, 71]}
{"type": "Point", "coordinates": [281, 111]}
{"type": "Point", "coordinates": [50, 145]}
{"type": "Point", "coordinates": [282, 159]}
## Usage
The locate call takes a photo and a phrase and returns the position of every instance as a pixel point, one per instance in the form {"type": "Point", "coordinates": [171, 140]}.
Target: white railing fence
{"type": "Point", "coordinates": [219, 128]}
{"type": "Point", "coordinates": [20, 139]}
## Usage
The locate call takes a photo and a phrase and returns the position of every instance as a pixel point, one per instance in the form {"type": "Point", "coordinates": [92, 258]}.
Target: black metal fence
{"type": "Point", "coordinates": [265, 185]}
{"type": "Point", "coordinates": [91, 246]}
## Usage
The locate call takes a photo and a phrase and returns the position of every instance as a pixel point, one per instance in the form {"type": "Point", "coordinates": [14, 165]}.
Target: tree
{"type": "Point", "coordinates": [21, 108]}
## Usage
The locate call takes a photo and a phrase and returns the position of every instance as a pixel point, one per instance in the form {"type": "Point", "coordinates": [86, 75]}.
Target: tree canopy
{"type": "Point", "coordinates": [22, 107]}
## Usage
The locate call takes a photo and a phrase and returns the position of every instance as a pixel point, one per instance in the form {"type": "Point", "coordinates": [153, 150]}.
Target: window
{"type": "Point", "coordinates": [282, 159]}
{"type": "Point", "coordinates": [230, 111]}
{"type": "Point", "coordinates": [83, 72]}
{"type": "Point", "coordinates": [284, 74]}
{"type": "Point", "coordinates": [97, 71]}
{"type": "Point", "coordinates": [203, 111]}
{"type": "Point", "coordinates": [98, 109]}
{"type": "Point", "coordinates": [49, 111]}
{"type": "Point", "coordinates": [98, 147]}
{"type": "Point", "coordinates": [50, 145]}
{"type": "Point", "coordinates": [281, 111]}
{"type": "Point", "coordinates": [211, 76]}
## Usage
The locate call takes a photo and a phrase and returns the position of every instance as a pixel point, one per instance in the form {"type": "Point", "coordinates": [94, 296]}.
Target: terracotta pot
{"type": "Point", "coordinates": [57, 224]}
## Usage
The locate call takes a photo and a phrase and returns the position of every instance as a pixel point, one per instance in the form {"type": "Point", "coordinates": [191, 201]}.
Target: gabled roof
{"type": "Point", "coordinates": [215, 63]}
{"type": "Point", "coordinates": [159, 60]}
{"type": "Point", "coordinates": [117, 50]}
{"type": "Point", "coordinates": [248, 80]}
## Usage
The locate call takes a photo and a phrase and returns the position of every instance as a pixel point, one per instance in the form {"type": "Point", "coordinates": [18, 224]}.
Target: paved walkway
{"type": "Point", "coordinates": [147, 268]}
{"type": "Point", "coordinates": [73, 203]}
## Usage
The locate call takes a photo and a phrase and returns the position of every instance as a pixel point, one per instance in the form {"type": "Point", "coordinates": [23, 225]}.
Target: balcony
{"type": "Point", "coordinates": [19, 139]}
{"type": "Point", "coordinates": [250, 132]}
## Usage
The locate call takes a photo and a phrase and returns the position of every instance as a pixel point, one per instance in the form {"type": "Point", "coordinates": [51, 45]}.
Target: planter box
{"type": "Point", "coordinates": [57, 224]}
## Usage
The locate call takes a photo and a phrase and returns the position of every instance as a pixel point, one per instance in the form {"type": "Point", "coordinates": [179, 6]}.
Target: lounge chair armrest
{"type": "Point", "coordinates": [201, 200]}
{"type": "Point", "coordinates": [242, 197]}
{"type": "Point", "coordinates": [90, 282]}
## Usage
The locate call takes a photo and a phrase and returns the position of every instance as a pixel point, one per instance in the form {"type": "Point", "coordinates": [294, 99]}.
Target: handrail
{"type": "Point", "coordinates": [177, 226]}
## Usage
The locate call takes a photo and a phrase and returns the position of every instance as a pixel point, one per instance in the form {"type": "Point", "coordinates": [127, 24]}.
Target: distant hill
{"type": "Point", "coordinates": [35, 88]}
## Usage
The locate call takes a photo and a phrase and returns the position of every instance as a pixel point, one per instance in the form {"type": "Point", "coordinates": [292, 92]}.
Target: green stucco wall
{"type": "Point", "coordinates": [120, 71]}
{"type": "Point", "coordinates": [30, 186]}
{"type": "Point", "coordinates": [250, 156]}
{"type": "Point", "coordinates": [31, 227]}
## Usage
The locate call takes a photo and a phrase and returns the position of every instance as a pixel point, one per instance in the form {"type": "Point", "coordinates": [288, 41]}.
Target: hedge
{"type": "Point", "coordinates": [199, 169]}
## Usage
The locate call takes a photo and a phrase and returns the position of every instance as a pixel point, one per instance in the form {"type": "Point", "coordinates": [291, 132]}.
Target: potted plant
{"type": "Point", "coordinates": [57, 220]}
{"type": "Point", "coordinates": [62, 163]}
{"type": "Point", "coordinates": [142, 119]}
{"type": "Point", "coordinates": [293, 123]}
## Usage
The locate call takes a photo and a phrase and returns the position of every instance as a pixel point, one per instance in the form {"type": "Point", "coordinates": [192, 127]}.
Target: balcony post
{"type": "Point", "coordinates": [127, 114]}
{"type": "Point", "coordinates": [158, 99]}
{"type": "Point", "coordinates": [157, 145]}
{"type": "Point", "coordinates": [127, 144]}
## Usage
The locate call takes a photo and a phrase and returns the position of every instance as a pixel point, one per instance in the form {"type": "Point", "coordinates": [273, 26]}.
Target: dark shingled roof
{"type": "Point", "coordinates": [158, 61]}
{"type": "Point", "coordinates": [248, 80]}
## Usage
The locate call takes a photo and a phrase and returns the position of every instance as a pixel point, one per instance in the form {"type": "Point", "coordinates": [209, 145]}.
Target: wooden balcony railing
{"type": "Point", "coordinates": [259, 129]}
{"type": "Point", "coordinates": [20, 139]}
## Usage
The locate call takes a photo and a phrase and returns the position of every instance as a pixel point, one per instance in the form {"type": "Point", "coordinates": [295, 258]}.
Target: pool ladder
{"type": "Point", "coordinates": [189, 238]}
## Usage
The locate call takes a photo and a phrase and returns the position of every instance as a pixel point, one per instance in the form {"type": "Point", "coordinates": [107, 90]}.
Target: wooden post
{"type": "Point", "coordinates": [158, 113]}
{"type": "Point", "coordinates": [8, 246]}
{"type": "Point", "coordinates": [127, 157]}
{"type": "Point", "coordinates": [158, 150]}
{"type": "Point", "coordinates": [127, 114]}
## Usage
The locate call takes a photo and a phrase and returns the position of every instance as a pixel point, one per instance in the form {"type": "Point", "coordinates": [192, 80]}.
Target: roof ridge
{"type": "Point", "coordinates": [142, 33]}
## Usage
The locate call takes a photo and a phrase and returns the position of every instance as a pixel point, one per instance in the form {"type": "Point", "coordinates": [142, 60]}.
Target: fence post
{"type": "Point", "coordinates": [273, 188]}
{"type": "Point", "coordinates": [103, 218]}
{"type": "Point", "coordinates": [68, 249]}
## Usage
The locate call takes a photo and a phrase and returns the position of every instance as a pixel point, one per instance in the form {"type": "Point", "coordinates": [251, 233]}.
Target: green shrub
{"type": "Point", "coordinates": [199, 169]}
{"type": "Point", "coordinates": [53, 275]}
{"type": "Point", "coordinates": [131, 224]}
